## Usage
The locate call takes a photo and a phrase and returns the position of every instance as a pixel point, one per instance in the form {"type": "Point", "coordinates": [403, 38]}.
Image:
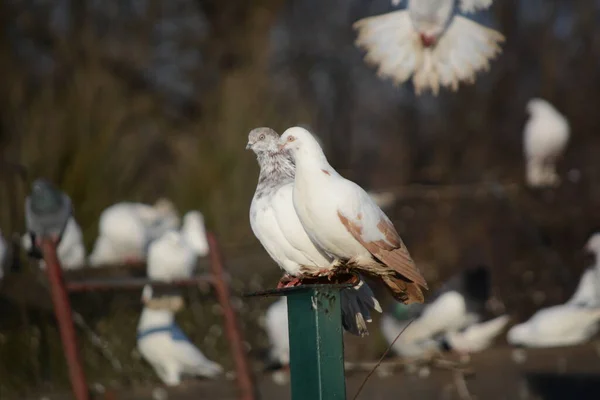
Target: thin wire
{"type": "Point", "coordinates": [362, 385]}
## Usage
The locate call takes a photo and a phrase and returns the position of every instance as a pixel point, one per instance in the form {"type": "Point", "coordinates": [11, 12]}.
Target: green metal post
{"type": "Point", "coordinates": [316, 345]}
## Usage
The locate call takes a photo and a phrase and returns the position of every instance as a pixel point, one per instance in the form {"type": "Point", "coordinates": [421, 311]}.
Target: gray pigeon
{"type": "Point", "coordinates": [275, 224]}
{"type": "Point", "coordinates": [47, 211]}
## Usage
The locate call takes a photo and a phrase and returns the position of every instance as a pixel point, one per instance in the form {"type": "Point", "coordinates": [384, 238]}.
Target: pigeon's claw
{"type": "Point", "coordinates": [288, 280]}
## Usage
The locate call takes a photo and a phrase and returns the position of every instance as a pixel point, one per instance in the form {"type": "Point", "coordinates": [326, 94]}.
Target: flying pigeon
{"type": "Point", "coordinates": [171, 258]}
{"type": "Point", "coordinates": [126, 230]}
{"type": "Point", "coordinates": [70, 250]}
{"type": "Point", "coordinates": [47, 211]}
{"type": "Point", "coordinates": [194, 232]}
{"type": "Point", "coordinates": [344, 222]}
{"type": "Point", "coordinates": [274, 221]}
{"type": "Point", "coordinates": [167, 349]}
{"type": "Point", "coordinates": [545, 138]}
{"type": "Point", "coordinates": [427, 41]}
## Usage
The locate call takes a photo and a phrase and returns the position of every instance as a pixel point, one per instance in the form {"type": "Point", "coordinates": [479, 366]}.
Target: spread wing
{"type": "Point", "coordinates": [383, 242]}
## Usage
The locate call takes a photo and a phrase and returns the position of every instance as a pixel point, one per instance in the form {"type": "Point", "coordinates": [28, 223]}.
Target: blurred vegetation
{"type": "Point", "coordinates": [98, 127]}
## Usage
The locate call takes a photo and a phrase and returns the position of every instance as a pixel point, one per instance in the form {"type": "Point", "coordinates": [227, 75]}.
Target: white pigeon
{"type": "Point", "coordinates": [427, 41]}
{"type": "Point", "coordinates": [561, 325]}
{"type": "Point", "coordinates": [194, 232]}
{"type": "Point", "coordinates": [166, 348]}
{"type": "Point", "coordinates": [476, 337]}
{"type": "Point", "coordinates": [126, 229]}
{"type": "Point", "coordinates": [275, 223]}
{"type": "Point", "coordinates": [416, 340]}
{"type": "Point", "coordinates": [567, 324]}
{"type": "Point", "coordinates": [344, 222]}
{"type": "Point", "coordinates": [277, 332]}
{"type": "Point", "coordinates": [171, 258]}
{"type": "Point", "coordinates": [457, 305]}
{"type": "Point", "coordinates": [70, 250]}
{"type": "Point", "coordinates": [545, 139]}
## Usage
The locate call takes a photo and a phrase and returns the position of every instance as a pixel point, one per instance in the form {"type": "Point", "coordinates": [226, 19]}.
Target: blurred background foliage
{"type": "Point", "coordinates": [140, 99]}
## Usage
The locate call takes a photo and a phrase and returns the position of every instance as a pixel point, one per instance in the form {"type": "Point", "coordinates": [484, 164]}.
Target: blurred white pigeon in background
{"type": "Point", "coordinates": [126, 229]}
{"type": "Point", "coordinates": [567, 324]}
{"type": "Point", "coordinates": [344, 222]}
{"type": "Point", "coordinates": [274, 222]}
{"type": "Point", "coordinates": [545, 139]}
{"type": "Point", "coordinates": [277, 332]}
{"type": "Point", "coordinates": [458, 304]}
{"type": "Point", "coordinates": [430, 43]}
{"type": "Point", "coordinates": [166, 348]}
{"type": "Point", "coordinates": [70, 250]}
{"type": "Point", "coordinates": [476, 337]}
{"type": "Point", "coordinates": [194, 232]}
{"type": "Point", "coordinates": [561, 325]}
{"type": "Point", "coordinates": [171, 258]}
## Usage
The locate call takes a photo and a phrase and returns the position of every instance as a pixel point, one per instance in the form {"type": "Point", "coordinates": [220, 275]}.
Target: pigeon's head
{"type": "Point", "coordinates": [193, 219]}
{"type": "Point", "coordinates": [45, 197]}
{"type": "Point", "coordinates": [538, 106]}
{"type": "Point", "coordinates": [262, 140]}
{"type": "Point", "coordinates": [298, 140]}
{"type": "Point", "coordinates": [593, 244]}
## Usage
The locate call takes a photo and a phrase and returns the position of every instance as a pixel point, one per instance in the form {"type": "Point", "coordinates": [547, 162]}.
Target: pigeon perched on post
{"type": "Point", "coordinates": [275, 224]}
{"type": "Point", "coordinates": [430, 43]}
{"type": "Point", "coordinates": [545, 138]}
{"type": "Point", "coordinates": [345, 223]}
{"type": "Point", "coordinates": [47, 211]}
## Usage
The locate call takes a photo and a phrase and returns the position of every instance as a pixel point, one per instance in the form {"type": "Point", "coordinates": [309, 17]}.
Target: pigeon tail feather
{"type": "Point", "coordinates": [461, 52]}
{"type": "Point", "coordinates": [356, 303]}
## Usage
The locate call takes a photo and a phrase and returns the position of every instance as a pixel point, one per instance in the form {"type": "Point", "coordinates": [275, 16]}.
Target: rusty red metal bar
{"type": "Point", "coordinates": [92, 285]}
{"type": "Point", "coordinates": [64, 316]}
{"type": "Point", "coordinates": [232, 328]}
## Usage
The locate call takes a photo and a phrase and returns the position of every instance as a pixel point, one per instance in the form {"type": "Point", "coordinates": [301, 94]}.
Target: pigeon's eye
{"type": "Point", "coordinates": [261, 137]}
{"type": "Point", "coordinates": [291, 138]}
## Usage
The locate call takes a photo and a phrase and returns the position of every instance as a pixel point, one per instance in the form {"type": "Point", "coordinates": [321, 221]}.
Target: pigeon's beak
{"type": "Point", "coordinates": [281, 146]}
{"type": "Point", "coordinates": [248, 146]}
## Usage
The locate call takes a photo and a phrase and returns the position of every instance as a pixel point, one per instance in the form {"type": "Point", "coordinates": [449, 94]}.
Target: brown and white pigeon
{"type": "Point", "coordinates": [275, 224]}
{"type": "Point", "coordinates": [429, 43]}
{"type": "Point", "coordinates": [344, 222]}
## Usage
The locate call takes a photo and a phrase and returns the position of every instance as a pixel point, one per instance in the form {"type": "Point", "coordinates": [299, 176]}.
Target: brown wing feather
{"type": "Point", "coordinates": [392, 251]}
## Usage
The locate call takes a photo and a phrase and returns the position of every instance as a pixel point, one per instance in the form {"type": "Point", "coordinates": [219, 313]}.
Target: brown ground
{"type": "Point", "coordinates": [563, 373]}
